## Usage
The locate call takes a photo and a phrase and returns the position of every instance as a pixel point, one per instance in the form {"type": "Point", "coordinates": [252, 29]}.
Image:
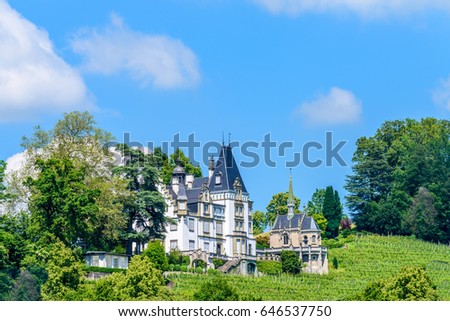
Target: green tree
{"type": "Point", "coordinates": [216, 289]}
{"type": "Point", "coordinates": [60, 202]}
{"type": "Point", "coordinates": [278, 206]}
{"type": "Point", "coordinates": [141, 281]}
{"type": "Point", "coordinates": [315, 205]}
{"type": "Point", "coordinates": [410, 284]}
{"type": "Point", "coordinates": [332, 211]}
{"type": "Point", "coordinates": [2, 177]}
{"type": "Point", "coordinates": [391, 166]}
{"type": "Point", "coordinates": [290, 262]}
{"type": "Point", "coordinates": [25, 288]}
{"type": "Point", "coordinates": [259, 222]}
{"type": "Point", "coordinates": [146, 207]}
{"type": "Point", "coordinates": [168, 164]}
{"type": "Point", "coordinates": [65, 274]}
{"type": "Point", "coordinates": [156, 253]}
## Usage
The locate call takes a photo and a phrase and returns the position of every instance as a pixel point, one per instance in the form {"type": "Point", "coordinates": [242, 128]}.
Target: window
{"type": "Point", "coordinates": [173, 227]}
{"type": "Point", "coordinates": [191, 225]}
{"type": "Point", "coordinates": [205, 208]}
{"type": "Point", "coordinates": [313, 239]}
{"type": "Point", "coordinates": [249, 226]}
{"type": "Point", "coordinates": [238, 246]}
{"type": "Point", "coordinates": [95, 261]}
{"type": "Point", "coordinates": [115, 262]}
{"type": "Point", "coordinates": [182, 205]}
{"type": "Point", "coordinates": [206, 246]}
{"type": "Point", "coordinates": [241, 226]}
{"type": "Point", "coordinates": [173, 244]}
{"type": "Point", "coordinates": [219, 228]}
{"type": "Point", "coordinates": [305, 240]}
{"type": "Point", "coordinates": [191, 245]}
{"type": "Point", "coordinates": [218, 179]}
{"type": "Point", "coordinates": [285, 239]}
{"type": "Point", "coordinates": [314, 258]}
{"type": "Point", "coordinates": [206, 227]}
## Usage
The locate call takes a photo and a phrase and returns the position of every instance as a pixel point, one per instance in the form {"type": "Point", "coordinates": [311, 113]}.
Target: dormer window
{"type": "Point", "coordinates": [218, 180]}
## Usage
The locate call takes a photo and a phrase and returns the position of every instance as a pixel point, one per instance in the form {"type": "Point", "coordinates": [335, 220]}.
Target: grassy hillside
{"type": "Point", "coordinates": [361, 260]}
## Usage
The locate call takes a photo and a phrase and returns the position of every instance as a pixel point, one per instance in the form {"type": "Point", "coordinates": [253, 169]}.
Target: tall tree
{"type": "Point", "coordinates": [332, 211]}
{"type": "Point", "coordinates": [60, 203]}
{"type": "Point", "coordinates": [390, 168]}
{"type": "Point", "coordinates": [278, 206]}
{"type": "Point", "coordinates": [145, 209]}
{"type": "Point", "coordinates": [260, 222]}
{"type": "Point", "coordinates": [2, 176]}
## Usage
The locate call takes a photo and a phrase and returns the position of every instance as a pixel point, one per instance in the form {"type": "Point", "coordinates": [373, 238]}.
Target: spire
{"type": "Point", "coordinates": [290, 200]}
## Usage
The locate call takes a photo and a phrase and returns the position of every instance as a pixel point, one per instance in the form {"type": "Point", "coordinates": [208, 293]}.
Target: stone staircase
{"type": "Point", "coordinates": [229, 265]}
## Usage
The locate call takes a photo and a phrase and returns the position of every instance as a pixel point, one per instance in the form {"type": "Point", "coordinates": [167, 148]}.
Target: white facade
{"type": "Point", "coordinates": [212, 214]}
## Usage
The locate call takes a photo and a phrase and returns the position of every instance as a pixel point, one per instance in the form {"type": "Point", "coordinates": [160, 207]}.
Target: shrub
{"type": "Point", "coordinates": [263, 240]}
{"type": "Point", "coordinates": [213, 272]}
{"type": "Point", "coordinates": [177, 267]}
{"type": "Point", "coordinates": [171, 267]}
{"type": "Point", "coordinates": [175, 257]}
{"type": "Point", "coordinates": [185, 260]}
{"type": "Point", "coordinates": [198, 270]}
{"type": "Point", "coordinates": [290, 262]}
{"type": "Point", "coordinates": [216, 289]}
{"type": "Point", "coordinates": [201, 263]}
{"type": "Point", "coordinates": [335, 263]}
{"type": "Point", "coordinates": [218, 263]}
{"type": "Point", "coordinates": [119, 249]}
{"type": "Point", "coordinates": [269, 267]}
{"type": "Point", "coordinates": [183, 268]}
{"type": "Point", "coordinates": [156, 253]}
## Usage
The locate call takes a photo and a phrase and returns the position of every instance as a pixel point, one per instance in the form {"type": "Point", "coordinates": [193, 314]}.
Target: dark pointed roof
{"type": "Point", "coordinates": [307, 223]}
{"type": "Point", "coordinates": [226, 167]}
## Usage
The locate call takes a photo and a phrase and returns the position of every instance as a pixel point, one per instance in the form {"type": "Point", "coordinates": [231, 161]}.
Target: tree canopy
{"type": "Point", "coordinates": [389, 170]}
{"type": "Point", "coordinates": [278, 206]}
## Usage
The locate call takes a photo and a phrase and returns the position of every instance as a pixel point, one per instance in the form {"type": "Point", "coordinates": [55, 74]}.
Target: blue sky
{"type": "Point", "coordinates": [294, 69]}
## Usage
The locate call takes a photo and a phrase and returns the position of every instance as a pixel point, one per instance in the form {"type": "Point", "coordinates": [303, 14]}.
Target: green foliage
{"type": "Point", "coordinates": [25, 288]}
{"type": "Point", "coordinates": [278, 206]}
{"type": "Point", "coordinates": [2, 176]}
{"type": "Point", "coordinates": [167, 165]}
{"type": "Point", "coordinates": [332, 211]}
{"type": "Point", "coordinates": [141, 281]}
{"type": "Point", "coordinates": [389, 170]}
{"type": "Point", "coordinates": [200, 263]}
{"type": "Point", "coordinates": [156, 253]}
{"type": "Point", "coordinates": [145, 208]}
{"type": "Point", "coordinates": [217, 289]}
{"type": "Point", "coordinates": [60, 202]}
{"type": "Point", "coordinates": [213, 272]}
{"type": "Point", "coordinates": [410, 284]}
{"type": "Point", "coordinates": [362, 260]}
{"type": "Point", "coordinates": [315, 205]}
{"type": "Point", "coordinates": [263, 240]}
{"type": "Point", "coordinates": [335, 263]}
{"type": "Point", "coordinates": [321, 221]}
{"type": "Point", "coordinates": [103, 269]}
{"type": "Point", "coordinates": [198, 269]}
{"type": "Point", "coordinates": [218, 262]}
{"type": "Point", "coordinates": [175, 257]}
{"type": "Point", "coordinates": [260, 222]}
{"type": "Point", "coordinates": [269, 267]}
{"type": "Point", "coordinates": [290, 262]}
{"type": "Point", "coordinates": [5, 286]}
{"type": "Point", "coordinates": [65, 274]}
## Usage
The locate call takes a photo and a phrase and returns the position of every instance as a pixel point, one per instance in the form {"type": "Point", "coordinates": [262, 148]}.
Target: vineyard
{"type": "Point", "coordinates": [361, 260]}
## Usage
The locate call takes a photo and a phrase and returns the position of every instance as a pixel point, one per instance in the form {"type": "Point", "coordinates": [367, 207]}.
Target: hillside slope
{"type": "Point", "coordinates": [361, 260]}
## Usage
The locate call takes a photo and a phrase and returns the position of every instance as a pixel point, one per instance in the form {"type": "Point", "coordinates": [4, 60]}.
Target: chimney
{"type": "Point", "coordinates": [189, 180]}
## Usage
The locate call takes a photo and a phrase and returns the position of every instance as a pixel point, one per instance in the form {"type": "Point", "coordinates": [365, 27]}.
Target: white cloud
{"type": "Point", "coordinates": [149, 59]}
{"type": "Point", "coordinates": [339, 106]}
{"type": "Point", "coordinates": [34, 80]}
{"type": "Point", "coordinates": [15, 162]}
{"type": "Point", "coordinates": [441, 94]}
{"type": "Point", "coordinates": [366, 8]}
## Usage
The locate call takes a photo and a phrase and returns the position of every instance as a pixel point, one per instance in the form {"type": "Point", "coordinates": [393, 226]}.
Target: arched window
{"type": "Point", "coordinates": [313, 239]}
{"type": "Point", "coordinates": [305, 240]}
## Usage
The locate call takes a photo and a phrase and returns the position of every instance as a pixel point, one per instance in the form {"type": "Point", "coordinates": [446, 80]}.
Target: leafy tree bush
{"type": "Point", "coordinates": [278, 206]}
{"type": "Point", "coordinates": [5, 286]}
{"type": "Point", "coordinates": [216, 289]}
{"type": "Point", "coordinates": [199, 270]}
{"type": "Point", "coordinates": [141, 281]}
{"type": "Point", "coordinates": [335, 263]}
{"type": "Point", "coordinates": [183, 268]}
{"type": "Point", "coordinates": [157, 254]}
{"type": "Point", "coordinates": [175, 257]}
{"type": "Point", "coordinates": [177, 267]}
{"type": "Point", "coordinates": [213, 272]}
{"type": "Point", "coordinates": [260, 222]}
{"type": "Point", "coordinates": [290, 262]}
{"type": "Point", "coordinates": [25, 288]}
{"type": "Point", "coordinates": [65, 274]}
{"type": "Point", "coordinates": [263, 240]}
{"type": "Point", "coordinates": [410, 284]}
{"type": "Point", "coordinates": [218, 262]}
{"type": "Point", "coordinates": [269, 267]}
{"type": "Point", "coordinates": [201, 264]}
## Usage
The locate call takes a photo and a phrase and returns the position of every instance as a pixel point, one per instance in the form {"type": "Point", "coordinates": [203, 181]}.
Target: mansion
{"type": "Point", "coordinates": [211, 217]}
